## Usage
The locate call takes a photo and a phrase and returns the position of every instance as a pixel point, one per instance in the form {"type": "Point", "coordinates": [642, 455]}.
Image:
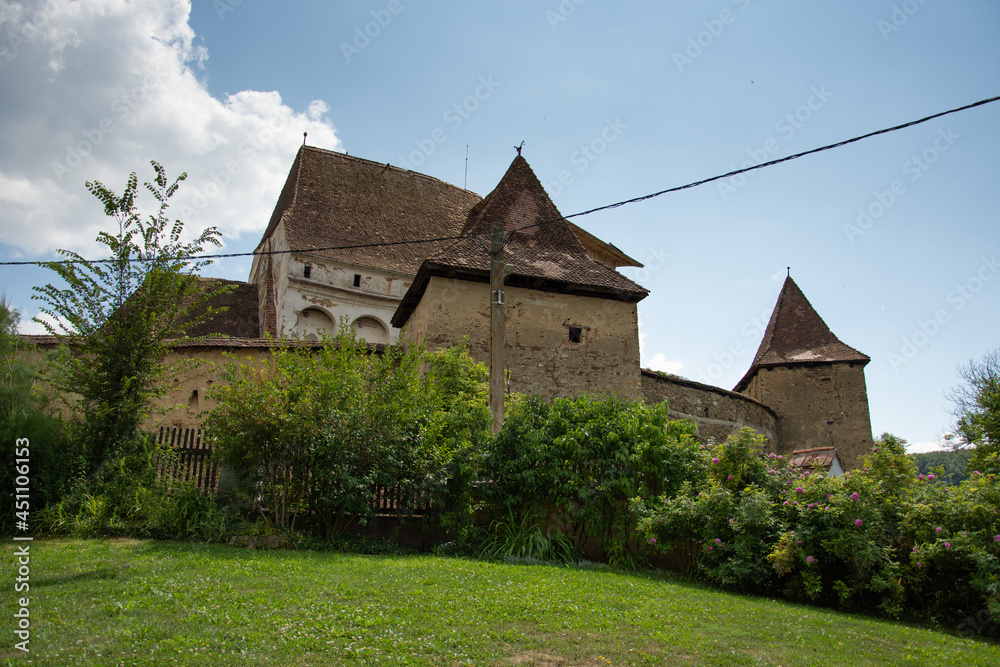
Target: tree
{"type": "Point", "coordinates": [977, 409]}
{"type": "Point", "coordinates": [315, 435]}
{"type": "Point", "coordinates": [119, 313]}
{"type": "Point", "coordinates": [26, 424]}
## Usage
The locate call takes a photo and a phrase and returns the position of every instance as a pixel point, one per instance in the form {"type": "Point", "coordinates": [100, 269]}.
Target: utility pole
{"type": "Point", "coordinates": [498, 357]}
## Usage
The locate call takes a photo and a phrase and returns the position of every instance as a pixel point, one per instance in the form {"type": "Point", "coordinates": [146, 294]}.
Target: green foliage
{"type": "Point", "coordinates": [28, 430]}
{"type": "Point", "coordinates": [525, 539]}
{"type": "Point", "coordinates": [585, 459]}
{"type": "Point", "coordinates": [950, 466]}
{"type": "Point", "coordinates": [319, 433]}
{"type": "Point", "coordinates": [977, 409]}
{"type": "Point", "coordinates": [724, 521]}
{"type": "Point", "coordinates": [120, 312]}
{"type": "Point", "coordinates": [880, 539]}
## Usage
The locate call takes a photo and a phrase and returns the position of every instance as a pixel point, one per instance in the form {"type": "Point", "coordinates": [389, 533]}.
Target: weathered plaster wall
{"type": "Point", "coordinates": [717, 412]}
{"type": "Point", "coordinates": [825, 405]}
{"type": "Point", "coordinates": [330, 290]}
{"type": "Point", "coordinates": [188, 396]}
{"type": "Point", "coordinates": [541, 358]}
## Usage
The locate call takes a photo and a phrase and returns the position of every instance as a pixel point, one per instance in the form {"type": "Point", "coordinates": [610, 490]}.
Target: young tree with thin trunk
{"type": "Point", "coordinates": [120, 312]}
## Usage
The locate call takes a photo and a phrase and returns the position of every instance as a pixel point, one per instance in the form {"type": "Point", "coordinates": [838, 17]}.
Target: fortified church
{"type": "Point", "coordinates": [347, 245]}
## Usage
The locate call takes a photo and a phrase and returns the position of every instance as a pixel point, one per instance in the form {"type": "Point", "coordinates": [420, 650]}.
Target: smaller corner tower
{"type": "Point", "coordinates": [813, 382]}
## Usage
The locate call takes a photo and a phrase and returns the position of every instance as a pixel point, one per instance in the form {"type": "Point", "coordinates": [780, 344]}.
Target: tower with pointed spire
{"type": "Point", "coordinates": [571, 318]}
{"type": "Point", "coordinates": [813, 382]}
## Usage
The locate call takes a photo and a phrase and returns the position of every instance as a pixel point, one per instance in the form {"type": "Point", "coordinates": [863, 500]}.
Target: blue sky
{"type": "Point", "coordinates": [894, 240]}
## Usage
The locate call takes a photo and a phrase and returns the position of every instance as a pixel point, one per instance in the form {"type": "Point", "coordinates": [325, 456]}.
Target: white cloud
{"type": "Point", "coordinates": [659, 362]}
{"type": "Point", "coordinates": [924, 447]}
{"type": "Point", "coordinates": [94, 90]}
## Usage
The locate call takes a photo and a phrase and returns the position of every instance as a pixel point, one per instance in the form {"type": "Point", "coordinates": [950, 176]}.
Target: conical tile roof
{"type": "Point", "coordinates": [797, 335]}
{"type": "Point", "coordinates": [541, 249]}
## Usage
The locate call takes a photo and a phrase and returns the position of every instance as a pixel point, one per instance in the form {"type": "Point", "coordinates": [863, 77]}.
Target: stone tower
{"type": "Point", "coordinates": [813, 382]}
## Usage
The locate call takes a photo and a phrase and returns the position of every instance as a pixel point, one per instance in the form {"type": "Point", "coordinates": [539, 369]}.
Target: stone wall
{"type": "Point", "coordinates": [717, 412]}
{"type": "Point", "coordinates": [541, 358]}
{"type": "Point", "coordinates": [823, 405]}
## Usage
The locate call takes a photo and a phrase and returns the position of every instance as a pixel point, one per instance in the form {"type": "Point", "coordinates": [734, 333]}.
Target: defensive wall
{"type": "Point", "coordinates": [716, 411]}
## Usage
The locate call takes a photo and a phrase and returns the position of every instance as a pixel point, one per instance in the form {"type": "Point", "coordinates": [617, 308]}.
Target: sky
{"type": "Point", "coordinates": [894, 240]}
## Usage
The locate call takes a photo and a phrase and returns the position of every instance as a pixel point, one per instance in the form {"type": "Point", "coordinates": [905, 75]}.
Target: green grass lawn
{"type": "Point", "coordinates": [135, 602]}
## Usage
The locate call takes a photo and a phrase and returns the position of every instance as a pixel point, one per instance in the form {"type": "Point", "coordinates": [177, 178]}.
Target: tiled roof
{"type": "Point", "coordinates": [817, 458]}
{"type": "Point", "coordinates": [797, 335]}
{"type": "Point", "coordinates": [547, 256]}
{"type": "Point", "coordinates": [333, 199]}
{"type": "Point", "coordinates": [240, 318]}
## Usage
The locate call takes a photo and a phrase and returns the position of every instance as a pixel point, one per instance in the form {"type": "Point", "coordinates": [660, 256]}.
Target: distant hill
{"type": "Point", "coordinates": [953, 463]}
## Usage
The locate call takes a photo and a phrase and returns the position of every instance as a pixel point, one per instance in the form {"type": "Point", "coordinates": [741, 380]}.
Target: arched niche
{"type": "Point", "coordinates": [312, 323]}
{"type": "Point", "coordinates": [371, 329]}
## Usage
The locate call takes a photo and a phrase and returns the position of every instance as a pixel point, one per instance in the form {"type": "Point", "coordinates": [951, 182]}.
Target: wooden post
{"type": "Point", "coordinates": [498, 363]}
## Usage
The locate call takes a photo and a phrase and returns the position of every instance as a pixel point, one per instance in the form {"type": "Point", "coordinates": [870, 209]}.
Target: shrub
{"type": "Point", "coordinates": [584, 460]}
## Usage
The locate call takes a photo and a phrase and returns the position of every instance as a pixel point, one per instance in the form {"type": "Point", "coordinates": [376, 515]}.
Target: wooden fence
{"type": "Point", "coordinates": [193, 463]}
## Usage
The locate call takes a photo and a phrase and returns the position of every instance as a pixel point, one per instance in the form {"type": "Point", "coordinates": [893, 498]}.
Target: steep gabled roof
{"type": "Point", "coordinates": [541, 248]}
{"type": "Point", "coordinates": [331, 199]}
{"type": "Point", "coordinates": [240, 318]}
{"type": "Point", "coordinates": [797, 335]}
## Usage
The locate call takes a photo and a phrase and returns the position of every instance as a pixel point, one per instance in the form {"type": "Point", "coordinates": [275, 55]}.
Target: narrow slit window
{"type": "Point", "coordinates": [357, 280]}
{"type": "Point", "coordinates": [307, 272]}
{"type": "Point", "coordinates": [574, 334]}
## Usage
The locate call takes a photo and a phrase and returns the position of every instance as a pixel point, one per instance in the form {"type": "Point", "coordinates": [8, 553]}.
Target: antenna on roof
{"type": "Point", "coordinates": [465, 185]}
{"type": "Point", "coordinates": [518, 148]}
{"type": "Point", "coordinates": [789, 272]}
{"type": "Point", "coordinates": [304, 135]}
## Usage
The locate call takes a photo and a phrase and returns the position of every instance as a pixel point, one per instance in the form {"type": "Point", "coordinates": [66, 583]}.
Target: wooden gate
{"type": "Point", "coordinates": [193, 462]}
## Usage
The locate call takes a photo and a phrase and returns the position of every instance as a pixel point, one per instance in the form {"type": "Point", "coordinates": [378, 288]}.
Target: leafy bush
{"type": "Point", "coordinates": [318, 433]}
{"type": "Point", "coordinates": [880, 539]}
{"type": "Point", "coordinates": [583, 460]}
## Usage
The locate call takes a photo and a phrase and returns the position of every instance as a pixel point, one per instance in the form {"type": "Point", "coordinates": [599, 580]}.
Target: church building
{"type": "Point", "coordinates": [402, 257]}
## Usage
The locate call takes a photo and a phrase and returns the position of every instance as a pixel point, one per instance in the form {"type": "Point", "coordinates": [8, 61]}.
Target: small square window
{"type": "Point", "coordinates": [357, 280]}
{"type": "Point", "coordinates": [574, 334]}
{"type": "Point", "coordinates": [307, 271]}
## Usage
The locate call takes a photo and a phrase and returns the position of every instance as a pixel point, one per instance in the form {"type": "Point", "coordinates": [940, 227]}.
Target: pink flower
{"type": "Point", "coordinates": [938, 529]}
{"type": "Point", "coordinates": [730, 477]}
{"type": "Point", "coordinates": [810, 559]}
{"type": "Point", "coordinates": [996, 538]}
{"type": "Point", "coordinates": [914, 550]}
{"type": "Point", "coordinates": [798, 489]}
{"type": "Point", "coordinates": [976, 472]}
{"type": "Point", "coordinates": [781, 456]}
{"type": "Point", "coordinates": [770, 472]}
{"type": "Point", "coordinates": [786, 502]}
{"type": "Point", "coordinates": [771, 456]}
{"type": "Point", "coordinates": [829, 496]}
{"type": "Point", "coordinates": [730, 522]}
{"type": "Point", "coordinates": [854, 496]}
{"type": "Point", "coordinates": [920, 477]}
{"type": "Point", "coordinates": [947, 545]}
{"type": "Point", "coordinates": [857, 523]}
{"type": "Point", "coordinates": [919, 564]}
{"type": "Point", "coordinates": [710, 548]}
{"type": "Point", "coordinates": [718, 541]}
{"type": "Point", "coordinates": [715, 460]}
{"type": "Point", "coordinates": [930, 478]}
{"type": "Point", "coordinates": [652, 540]}
{"type": "Point", "coordinates": [810, 505]}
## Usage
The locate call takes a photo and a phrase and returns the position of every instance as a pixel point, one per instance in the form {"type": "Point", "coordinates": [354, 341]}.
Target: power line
{"type": "Point", "coordinates": [633, 200]}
